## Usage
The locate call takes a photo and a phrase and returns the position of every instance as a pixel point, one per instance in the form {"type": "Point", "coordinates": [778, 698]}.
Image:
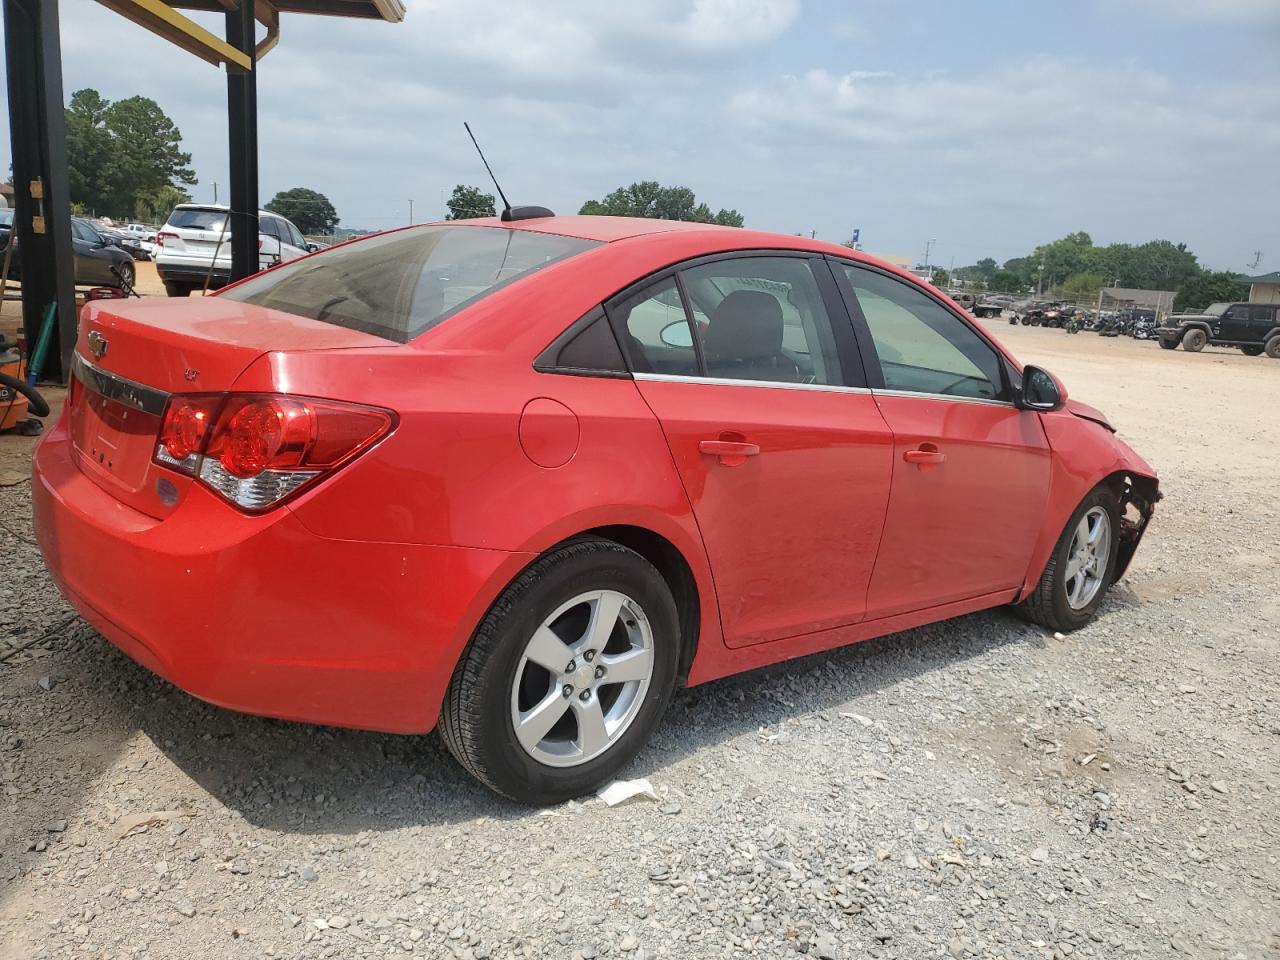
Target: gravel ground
{"type": "Point", "coordinates": [974, 788]}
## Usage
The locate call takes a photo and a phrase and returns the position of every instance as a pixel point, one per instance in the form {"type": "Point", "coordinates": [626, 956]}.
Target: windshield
{"type": "Point", "coordinates": [1216, 309]}
{"type": "Point", "coordinates": [6, 218]}
{"type": "Point", "coordinates": [400, 284]}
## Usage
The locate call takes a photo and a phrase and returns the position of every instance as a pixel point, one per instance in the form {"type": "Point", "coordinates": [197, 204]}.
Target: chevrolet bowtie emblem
{"type": "Point", "coordinates": [97, 344]}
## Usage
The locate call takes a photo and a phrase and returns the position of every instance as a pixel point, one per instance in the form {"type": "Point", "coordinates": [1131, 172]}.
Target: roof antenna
{"type": "Point", "coordinates": [509, 213]}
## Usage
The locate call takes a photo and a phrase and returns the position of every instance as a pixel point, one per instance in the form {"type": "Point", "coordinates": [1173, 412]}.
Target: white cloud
{"type": "Point", "coordinates": [1241, 10]}
{"type": "Point", "coordinates": [1052, 141]}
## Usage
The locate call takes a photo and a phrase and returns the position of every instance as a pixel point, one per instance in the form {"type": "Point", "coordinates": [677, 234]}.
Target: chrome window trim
{"type": "Point", "coordinates": [986, 402]}
{"type": "Point", "coordinates": [821, 387]}
{"type": "Point", "coordinates": [120, 389]}
{"type": "Point", "coordinates": [731, 382]}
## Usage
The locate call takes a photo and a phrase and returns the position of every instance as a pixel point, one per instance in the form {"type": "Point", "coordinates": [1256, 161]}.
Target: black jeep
{"type": "Point", "coordinates": [1253, 327]}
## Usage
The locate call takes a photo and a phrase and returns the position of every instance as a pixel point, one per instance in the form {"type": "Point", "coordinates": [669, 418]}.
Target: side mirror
{"type": "Point", "coordinates": [676, 334]}
{"type": "Point", "coordinates": [1041, 390]}
{"type": "Point", "coordinates": [312, 247]}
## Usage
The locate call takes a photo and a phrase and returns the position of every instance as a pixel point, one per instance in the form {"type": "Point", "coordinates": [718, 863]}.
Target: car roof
{"type": "Point", "coordinates": [601, 229]}
{"type": "Point", "coordinates": [617, 229]}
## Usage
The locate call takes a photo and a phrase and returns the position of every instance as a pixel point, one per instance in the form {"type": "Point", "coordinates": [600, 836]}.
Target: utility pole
{"type": "Point", "coordinates": [927, 247]}
{"type": "Point", "coordinates": [411, 213]}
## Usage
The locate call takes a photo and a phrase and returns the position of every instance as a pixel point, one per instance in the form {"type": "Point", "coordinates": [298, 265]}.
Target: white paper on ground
{"type": "Point", "coordinates": [620, 790]}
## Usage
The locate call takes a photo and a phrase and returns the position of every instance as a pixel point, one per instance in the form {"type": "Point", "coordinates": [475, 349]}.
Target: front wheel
{"type": "Point", "coordinates": [566, 676]}
{"type": "Point", "coordinates": [1166, 344]}
{"type": "Point", "coordinates": [1081, 567]}
{"type": "Point", "coordinates": [1193, 340]}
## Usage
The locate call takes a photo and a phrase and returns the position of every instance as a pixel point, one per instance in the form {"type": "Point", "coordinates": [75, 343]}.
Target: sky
{"type": "Point", "coordinates": [985, 127]}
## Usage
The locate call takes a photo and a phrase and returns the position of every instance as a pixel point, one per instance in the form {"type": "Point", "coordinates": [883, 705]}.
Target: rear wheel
{"type": "Point", "coordinates": [1080, 568]}
{"type": "Point", "coordinates": [174, 289]}
{"type": "Point", "coordinates": [1193, 340]}
{"type": "Point", "coordinates": [1251, 351]}
{"type": "Point", "coordinates": [566, 676]}
{"type": "Point", "coordinates": [1273, 347]}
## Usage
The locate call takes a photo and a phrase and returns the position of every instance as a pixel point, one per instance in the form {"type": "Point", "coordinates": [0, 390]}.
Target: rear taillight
{"type": "Point", "coordinates": [159, 240]}
{"type": "Point", "coordinates": [257, 449]}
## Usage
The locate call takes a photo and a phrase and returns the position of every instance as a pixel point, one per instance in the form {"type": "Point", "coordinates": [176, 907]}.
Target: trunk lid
{"type": "Point", "coordinates": [132, 355]}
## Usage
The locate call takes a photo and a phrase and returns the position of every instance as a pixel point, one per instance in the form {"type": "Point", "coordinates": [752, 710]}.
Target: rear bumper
{"type": "Point", "coordinates": [258, 614]}
{"type": "Point", "coordinates": [193, 272]}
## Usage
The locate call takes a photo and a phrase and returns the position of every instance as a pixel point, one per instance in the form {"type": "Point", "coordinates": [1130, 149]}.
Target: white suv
{"type": "Point", "coordinates": [194, 246]}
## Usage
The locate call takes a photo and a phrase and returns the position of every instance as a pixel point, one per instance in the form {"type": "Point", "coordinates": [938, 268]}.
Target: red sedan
{"type": "Point", "coordinates": [519, 479]}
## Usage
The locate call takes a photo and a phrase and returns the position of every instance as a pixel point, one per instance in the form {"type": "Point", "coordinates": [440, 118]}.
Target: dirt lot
{"type": "Point", "coordinates": [974, 788]}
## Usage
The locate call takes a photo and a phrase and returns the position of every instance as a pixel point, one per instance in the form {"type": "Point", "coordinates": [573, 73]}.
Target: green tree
{"type": "Point", "coordinates": [1005, 281]}
{"type": "Point", "coordinates": [1209, 287]}
{"type": "Point", "coordinates": [155, 206]}
{"type": "Point", "coordinates": [467, 202]}
{"type": "Point", "coordinates": [92, 159]}
{"type": "Point", "coordinates": [940, 278]}
{"type": "Point", "coordinates": [310, 210]}
{"type": "Point", "coordinates": [649, 199]}
{"type": "Point", "coordinates": [1082, 286]}
{"type": "Point", "coordinates": [118, 153]}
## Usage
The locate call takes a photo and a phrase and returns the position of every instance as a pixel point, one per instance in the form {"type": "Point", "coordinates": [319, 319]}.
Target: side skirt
{"type": "Point", "coordinates": [738, 660]}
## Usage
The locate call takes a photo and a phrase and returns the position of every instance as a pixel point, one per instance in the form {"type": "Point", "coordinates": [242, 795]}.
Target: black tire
{"type": "Point", "coordinates": [1193, 340]}
{"type": "Point", "coordinates": [1168, 344]}
{"type": "Point", "coordinates": [1047, 604]}
{"type": "Point", "coordinates": [174, 289]}
{"type": "Point", "coordinates": [475, 719]}
{"type": "Point", "coordinates": [126, 274]}
{"type": "Point", "coordinates": [1273, 347]}
{"type": "Point", "coordinates": [1251, 351]}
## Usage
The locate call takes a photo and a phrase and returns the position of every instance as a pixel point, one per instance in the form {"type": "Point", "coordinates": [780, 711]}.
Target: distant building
{"type": "Point", "coordinates": [897, 259]}
{"type": "Point", "coordinates": [1118, 298]}
{"type": "Point", "coordinates": [1265, 288]}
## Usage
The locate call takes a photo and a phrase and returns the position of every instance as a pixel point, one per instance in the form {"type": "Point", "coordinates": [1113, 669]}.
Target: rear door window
{"type": "Point", "coordinates": [398, 285]}
{"type": "Point", "coordinates": [656, 330]}
{"type": "Point", "coordinates": [763, 319]}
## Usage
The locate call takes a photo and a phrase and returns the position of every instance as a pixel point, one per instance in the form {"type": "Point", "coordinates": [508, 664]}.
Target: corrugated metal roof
{"type": "Point", "coordinates": [1272, 277]}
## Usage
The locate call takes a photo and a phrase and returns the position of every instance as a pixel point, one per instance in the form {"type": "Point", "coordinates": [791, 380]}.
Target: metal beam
{"type": "Point", "coordinates": [242, 139]}
{"type": "Point", "coordinates": [160, 18]}
{"type": "Point", "coordinates": [392, 11]}
{"type": "Point", "coordinates": [42, 215]}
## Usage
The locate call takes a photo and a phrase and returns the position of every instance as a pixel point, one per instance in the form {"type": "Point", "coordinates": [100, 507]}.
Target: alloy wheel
{"type": "Point", "coordinates": [1088, 558]}
{"type": "Point", "coordinates": [582, 678]}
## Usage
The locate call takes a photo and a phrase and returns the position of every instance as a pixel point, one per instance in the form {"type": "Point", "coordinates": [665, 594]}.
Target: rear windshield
{"type": "Point", "coordinates": [197, 219]}
{"type": "Point", "coordinates": [399, 284]}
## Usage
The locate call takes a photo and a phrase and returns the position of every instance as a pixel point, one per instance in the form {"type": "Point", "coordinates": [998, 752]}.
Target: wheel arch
{"type": "Point", "coordinates": [1085, 457]}
{"type": "Point", "coordinates": [672, 564]}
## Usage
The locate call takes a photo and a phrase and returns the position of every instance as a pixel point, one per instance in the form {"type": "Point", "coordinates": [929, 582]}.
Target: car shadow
{"type": "Point", "coordinates": [299, 778]}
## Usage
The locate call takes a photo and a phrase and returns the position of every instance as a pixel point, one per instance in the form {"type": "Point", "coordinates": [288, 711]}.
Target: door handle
{"type": "Point", "coordinates": [731, 453]}
{"type": "Point", "coordinates": [927, 455]}
{"type": "Point", "coordinates": [729, 448]}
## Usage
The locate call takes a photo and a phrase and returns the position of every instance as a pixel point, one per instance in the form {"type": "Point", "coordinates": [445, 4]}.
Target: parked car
{"type": "Point", "coordinates": [139, 231]}
{"type": "Point", "coordinates": [991, 306]}
{"type": "Point", "coordinates": [6, 225]}
{"type": "Point", "coordinates": [1253, 327]}
{"type": "Point", "coordinates": [194, 246]}
{"type": "Point", "coordinates": [98, 261]}
{"type": "Point", "coordinates": [520, 479]}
